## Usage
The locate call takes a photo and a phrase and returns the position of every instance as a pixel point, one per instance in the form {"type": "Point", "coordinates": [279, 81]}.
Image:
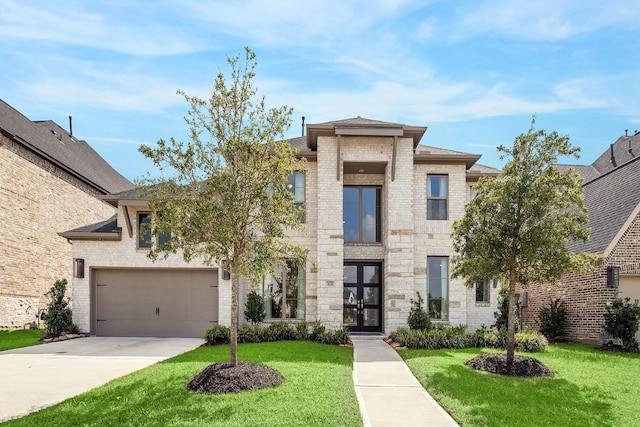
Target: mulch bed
{"type": "Point", "coordinates": [222, 378]}
{"type": "Point", "coordinates": [522, 366]}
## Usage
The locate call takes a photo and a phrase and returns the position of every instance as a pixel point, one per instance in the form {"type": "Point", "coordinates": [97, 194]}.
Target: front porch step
{"type": "Point", "coordinates": [361, 336]}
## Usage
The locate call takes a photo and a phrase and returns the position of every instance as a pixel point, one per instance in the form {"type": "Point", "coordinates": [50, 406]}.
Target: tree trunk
{"type": "Point", "coordinates": [233, 336]}
{"type": "Point", "coordinates": [511, 318]}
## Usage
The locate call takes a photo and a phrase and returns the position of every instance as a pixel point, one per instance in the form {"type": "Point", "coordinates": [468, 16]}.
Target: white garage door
{"type": "Point", "coordinates": [156, 303]}
{"type": "Point", "coordinates": [630, 287]}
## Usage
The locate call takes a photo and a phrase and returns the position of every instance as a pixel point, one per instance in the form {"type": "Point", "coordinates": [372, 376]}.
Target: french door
{"type": "Point", "coordinates": [362, 296]}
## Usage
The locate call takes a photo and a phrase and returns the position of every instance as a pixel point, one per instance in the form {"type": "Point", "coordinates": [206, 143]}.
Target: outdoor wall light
{"type": "Point", "coordinates": [78, 268]}
{"type": "Point", "coordinates": [613, 277]}
{"type": "Point", "coordinates": [226, 275]}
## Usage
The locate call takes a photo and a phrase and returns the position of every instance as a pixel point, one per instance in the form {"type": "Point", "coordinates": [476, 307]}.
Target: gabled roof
{"type": "Point", "coordinates": [50, 141]}
{"type": "Point", "coordinates": [363, 127]}
{"type": "Point", "coordinates": [611, 199]}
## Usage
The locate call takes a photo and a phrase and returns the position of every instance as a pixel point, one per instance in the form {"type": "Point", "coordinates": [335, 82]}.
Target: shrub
{"type": "Point", "coordinates": [317, 329]}
{"type": "Point", "coordinates": [454, 337]}
{"type": "Point", "coordinates": [621, 320]}
{"type": "Point", "coordinates": [337, 337]}
{"type": "Point", "coordinates": [253, 333]}
{"type": "Point", "coordinates": [501, 315]}
{"type": "Point", "coordinates": [552, 320]}
{"type": "Point", "coordinates": [418, 318]}
{"type": "Point", "coordinates": [280, 331]}
{"type": "Point", "coordinates": [302, 330]}
{"type": "Point", "coordinates": [254, 308]}
{"type": "Point", "coordinates": [58, 316]}
{"type": "Point", "coordinates": [218, 334]}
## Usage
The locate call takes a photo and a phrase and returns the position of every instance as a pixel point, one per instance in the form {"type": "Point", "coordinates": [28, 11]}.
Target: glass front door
{"type": "Point", "coordinates": [362, 296]}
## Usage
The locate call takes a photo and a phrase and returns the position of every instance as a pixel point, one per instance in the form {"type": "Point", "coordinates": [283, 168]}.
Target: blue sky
{"type": "Point", "coordinates": [474, 72]}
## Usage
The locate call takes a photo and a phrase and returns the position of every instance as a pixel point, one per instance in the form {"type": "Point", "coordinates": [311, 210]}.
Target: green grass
{"type": "Point", "coordinates": [19, 338]}
{"type": "Point", "coordinates": [318, 391]}
{"type": "Point", "coordinates": [590, 388]}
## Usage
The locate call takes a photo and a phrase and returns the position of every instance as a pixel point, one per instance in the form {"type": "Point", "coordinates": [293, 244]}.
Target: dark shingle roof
{"type": "Point", "coordinates": [52, 142]}
{"type": "Point", "coordinates": [610, 200]}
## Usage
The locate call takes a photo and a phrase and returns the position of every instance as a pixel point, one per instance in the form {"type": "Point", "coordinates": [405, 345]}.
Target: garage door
{"type": "Point", "coordinates": [156, 303]}
{"type": "Point", "coordinates": [630, 287]}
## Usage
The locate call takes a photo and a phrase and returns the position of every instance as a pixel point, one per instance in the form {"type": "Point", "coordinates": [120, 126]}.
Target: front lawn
{"type": "Point", "coordinates": [19, 338]}
{"type": "Point", "coordinates": [590, 388]}
{"type": "Point", "coordinates": [318, 391]}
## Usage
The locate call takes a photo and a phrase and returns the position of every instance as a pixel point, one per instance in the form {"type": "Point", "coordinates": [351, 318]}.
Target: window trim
{"type": "Point", "coordinates": [445, 198]}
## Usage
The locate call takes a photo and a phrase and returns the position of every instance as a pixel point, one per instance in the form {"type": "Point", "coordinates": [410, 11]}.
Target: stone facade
{"type": "Point", "coordinates": [37, 200]}
{"type": "Point", "coordinates": [360, 157]}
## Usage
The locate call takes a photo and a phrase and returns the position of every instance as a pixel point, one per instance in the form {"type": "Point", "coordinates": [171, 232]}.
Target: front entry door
{"type": "Point", "coordinates": [362, 296]}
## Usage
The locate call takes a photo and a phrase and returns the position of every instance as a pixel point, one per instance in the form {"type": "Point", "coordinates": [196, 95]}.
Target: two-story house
{"type": "Point", "coordinates": [49, 181]}
{"type": "Point", "coordinates": [379, 211]}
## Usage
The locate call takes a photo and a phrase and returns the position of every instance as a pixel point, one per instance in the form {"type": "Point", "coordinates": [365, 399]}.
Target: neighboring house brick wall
{"type": "Point", "coordinates": [585, 295]}
{"type": "Point", "coordinates": [37, 200]}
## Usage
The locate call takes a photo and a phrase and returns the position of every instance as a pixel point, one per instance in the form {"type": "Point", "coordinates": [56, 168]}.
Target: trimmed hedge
{"type": "Point", "coordinates": [278, 331]}
{"type": "Point", "coordinates": [455, 337]}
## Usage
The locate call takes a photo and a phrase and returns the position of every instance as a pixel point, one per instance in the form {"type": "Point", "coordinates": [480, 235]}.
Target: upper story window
{"type": "Point", "coordinates": [144, 232]}
{"type": "Point", "coordinates": [482, 291]}
{"type": "Point", "coordinates": [296, 184]}
{"type": "Point", "coordinates": [362, 214]}
{"type": "Point", "coordinates": [438, 287]}
{"type": "Point", "coordinates": [437, 190]}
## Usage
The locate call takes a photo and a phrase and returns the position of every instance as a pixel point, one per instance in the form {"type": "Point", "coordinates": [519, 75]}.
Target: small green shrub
{"type": "Point", "coordinates": [317, 329]}
{"type": "Point", "coordinates": [621, 320]}
{"type": "Point", "coordinates": [58, 317]}
{"type": "Point", "coordinates": [217, 334]}
{"type": "Point", "coordinates": [552, 320]}
{"type": "Point", "coordinates": [302, 330]}
{"type": "Point", "coordinates": [254, 308]}
{"type": "Point", "coordinates": [280, 331]}
{"type": "Point", "coordinates": [418, 318]}
{"type": "Point", "coordinates": [251, 334]}
{"type": "Point", "coordinates": [337, 337]}
{"type": "Point", "coordinates": [530, 341]}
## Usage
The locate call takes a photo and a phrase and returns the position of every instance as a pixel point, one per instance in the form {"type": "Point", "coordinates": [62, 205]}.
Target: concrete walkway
{"type": "Point", "coordinates": [42, 375]}
{"type": "Point", "coordinates": [388, 393]}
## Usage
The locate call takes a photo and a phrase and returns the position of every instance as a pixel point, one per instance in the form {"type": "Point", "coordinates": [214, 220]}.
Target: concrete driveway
{"type": "Point", "coordinates": [42, 375]}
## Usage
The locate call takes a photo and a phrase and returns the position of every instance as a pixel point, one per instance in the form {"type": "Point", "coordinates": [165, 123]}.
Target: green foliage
{"type": "Point", "coordinates": [455, 337]}
{"type": "Point", "coordinates": [58, 317]}
{"type": "Point", "coordinates": [337, 337]}
{"type": "Point", "coordinates": [552, 320]}
{"type": "Point", "coordinates": [254, 308]}
{"type": "Point", "coordinates": [225, 198]}
{"type": "Point", "coordinates": [418, 318]}
{"type": "Point", "coordinates": [218, 334]}
{"type": "Point", "coordinates": [502, 315]}
{"type": "Point", "coordinates": [517, 225]}
{"type": "Point", "coordinates": [317, 329]}
{"type": "Point", "coordinates": [621, 320]}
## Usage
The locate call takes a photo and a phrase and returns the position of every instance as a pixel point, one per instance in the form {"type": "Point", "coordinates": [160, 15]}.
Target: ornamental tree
{"type": "Point", "coordinates": [517, 225]}
{"type": "Point", "coordinates": [224, 197]}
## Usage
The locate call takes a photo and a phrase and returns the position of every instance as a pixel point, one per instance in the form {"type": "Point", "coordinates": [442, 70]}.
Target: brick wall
{"type": "Point", "coordinates": [585, 295]}
{"type": "Point", "coordinates": [37, 200]}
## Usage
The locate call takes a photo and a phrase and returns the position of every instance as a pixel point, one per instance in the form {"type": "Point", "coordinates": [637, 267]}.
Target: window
{"type": "Point", "coordinates": [472, 192]}
{"type": "Point", "coordinates": [437, 197]}
{"type": "Point", "coordinates": [144, 232]}
{"type": "Point", "coordinates": [361, 214]}
{"type": "Point", "coordinates": [284, 293]}
{"type": "Point", "coordinates": [482, 291]}
{"type": "Point", "coordinates": [296, 184]}
{"type": "Point", "coordinates": [437, 285]}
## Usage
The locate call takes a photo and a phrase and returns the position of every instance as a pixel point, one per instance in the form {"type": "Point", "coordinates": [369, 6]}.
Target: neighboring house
{"type": "Point", "coordinates": [379, 211]}
{"type": "Point", "coordinates": [49, 181]}
{"type": "Point", "coordinates": [612, 196]}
